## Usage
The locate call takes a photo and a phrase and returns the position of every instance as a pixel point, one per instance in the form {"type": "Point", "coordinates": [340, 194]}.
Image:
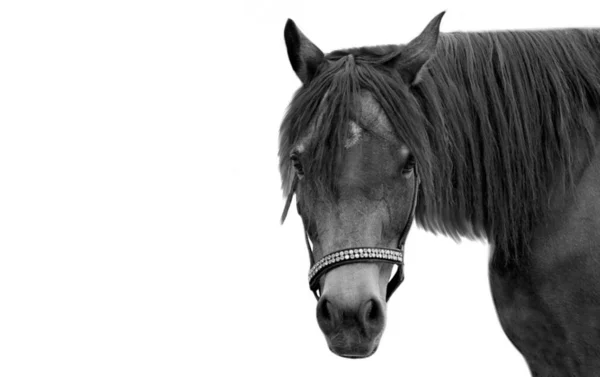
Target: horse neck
{"type": "Point", "coordinates": [499, 157]}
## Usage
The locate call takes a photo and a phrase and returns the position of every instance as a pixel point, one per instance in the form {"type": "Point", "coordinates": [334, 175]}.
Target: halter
{"type": "Point", "coordinates": [358, 254]}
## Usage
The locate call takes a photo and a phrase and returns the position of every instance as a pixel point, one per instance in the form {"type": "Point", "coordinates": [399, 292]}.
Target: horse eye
{"type": "Point", "coordinates": [295, 159]}
{"type": "Point", "coordinates": [409, 166]}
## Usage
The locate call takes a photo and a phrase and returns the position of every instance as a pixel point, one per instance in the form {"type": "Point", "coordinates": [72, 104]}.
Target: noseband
{"type": "Point", "coordinates": [358, 254]}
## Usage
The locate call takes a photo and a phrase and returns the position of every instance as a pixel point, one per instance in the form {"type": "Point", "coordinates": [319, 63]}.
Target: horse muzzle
{"type": "Point", "coordinates": [351, 331]}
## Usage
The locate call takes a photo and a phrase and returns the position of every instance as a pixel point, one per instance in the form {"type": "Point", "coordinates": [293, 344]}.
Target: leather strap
{"type": "Point", "coordinates": [357, 255]}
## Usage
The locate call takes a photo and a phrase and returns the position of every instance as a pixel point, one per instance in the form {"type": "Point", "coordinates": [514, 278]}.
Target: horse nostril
{"type": "Point", "coordinates": [373, 311]}
{"type": "Point", "coordinates": [325, 315]}
{"type": "Point", "coordinates": [326, 311]}
{"type": "Point", "coordinates": [372, 315]}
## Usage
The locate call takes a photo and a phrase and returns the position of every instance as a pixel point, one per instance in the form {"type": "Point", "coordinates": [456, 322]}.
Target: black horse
{"type": "Point", "coordinates": [491, 135]}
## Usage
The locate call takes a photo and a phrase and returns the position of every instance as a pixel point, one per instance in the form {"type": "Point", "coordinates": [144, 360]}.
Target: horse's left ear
{"type": "Point", "coordinates": [304, 55]}
{"type": "Point", "coordinates": [417, 52]}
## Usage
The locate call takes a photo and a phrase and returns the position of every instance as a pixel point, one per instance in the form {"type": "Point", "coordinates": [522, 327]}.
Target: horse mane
{"type": "Point", "coordinates": [497, 125]}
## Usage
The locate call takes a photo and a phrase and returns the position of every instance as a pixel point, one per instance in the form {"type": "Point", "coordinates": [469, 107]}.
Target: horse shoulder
{"type": "Point", "coordinates": [549, 303]}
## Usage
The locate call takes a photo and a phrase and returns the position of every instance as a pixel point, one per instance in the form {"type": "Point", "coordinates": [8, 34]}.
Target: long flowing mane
{"type": "Point", "coordinates": [500, 124]}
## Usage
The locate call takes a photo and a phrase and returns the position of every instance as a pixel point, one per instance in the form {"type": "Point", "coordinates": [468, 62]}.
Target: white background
{"type": "Point", "coordinates": [139, 195]}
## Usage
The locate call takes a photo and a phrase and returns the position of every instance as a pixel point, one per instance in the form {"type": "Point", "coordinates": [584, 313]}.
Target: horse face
{"type": "Point", "coordinates": [371, 205]}
{"type": "Point", "coordinates": [373, 184]}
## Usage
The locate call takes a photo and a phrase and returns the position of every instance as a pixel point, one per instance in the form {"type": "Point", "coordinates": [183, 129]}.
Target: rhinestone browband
{"type": "Point", "coordinates": [353, 255]}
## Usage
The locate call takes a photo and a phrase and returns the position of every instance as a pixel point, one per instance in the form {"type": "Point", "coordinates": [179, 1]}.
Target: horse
{"type": "Point", "coordinates": [479, 135]}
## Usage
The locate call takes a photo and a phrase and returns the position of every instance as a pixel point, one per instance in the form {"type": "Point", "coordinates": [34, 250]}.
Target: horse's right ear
{"type": "Point", "coordinates": [304, 56]}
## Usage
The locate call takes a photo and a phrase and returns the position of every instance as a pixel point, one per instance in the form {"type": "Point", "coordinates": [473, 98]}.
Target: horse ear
{"type": "Point", "coordinates": [304, 56]}
{"type": "Point", "coordinates": [416, 53]}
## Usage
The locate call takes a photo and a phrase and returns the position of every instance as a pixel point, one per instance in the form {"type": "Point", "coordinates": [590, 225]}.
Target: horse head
{"type": "Point", "coordinates": [354, 178]}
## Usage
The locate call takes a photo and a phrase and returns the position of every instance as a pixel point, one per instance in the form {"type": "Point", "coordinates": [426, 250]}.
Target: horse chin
{"type": "Point", "coordinates": [354, 352]}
